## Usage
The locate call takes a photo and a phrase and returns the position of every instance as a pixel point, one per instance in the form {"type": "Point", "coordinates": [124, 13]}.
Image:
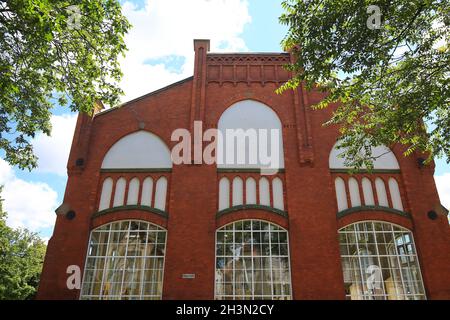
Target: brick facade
{"type": "Point", "coordinates": [192, 202]}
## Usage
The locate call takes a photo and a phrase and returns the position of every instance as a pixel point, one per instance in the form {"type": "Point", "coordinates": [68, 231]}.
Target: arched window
{"type": "Point", "coordinates": [238, 191]}
{"type": "Point", "coordinates": [341, 194]}
{"type": "Point", "coordinates": [251, 137]}
{"type": "Point", "coordinates": [250, 191]}
{"type": "Point", "coordinates": [133, 192]}
{"type": "Point", "coordinates": [277, 193]}
{"type": "Point", "coordinates": [125, 260]}
{"type": "Point", "coordinates": [224, 194]}
{"type": "Point", "coordinates": [119, 192]}
{"type": "Point", "coordinates": [147, 192]}
{"type": "Point", "coordinates": [353, 188]}
{"type": "Point", "coordinates": [264, 192]}
{"type": "Point", "coordinates": [395, 194]}
{"type": "Point", "coordinates": [369, 200]}
{"type": "Point", "coordinates": [105, 198]}
{"type": "Point", "coordinates": [161, 193]}
{"type": "Point", "coordinates": [384, 158]}
{"type": "Point", "coordinates": [252, 261]}
{"type": "Point", "coordinates": [379, 262]}
{"type": "Point", "coordinates": [381, 192]}
{"type": "Point", "coordinates": [138, 150]}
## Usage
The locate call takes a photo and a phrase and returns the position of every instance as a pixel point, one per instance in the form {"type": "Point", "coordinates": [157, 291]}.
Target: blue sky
{"type": "Point", "coordinates": [160, 53]}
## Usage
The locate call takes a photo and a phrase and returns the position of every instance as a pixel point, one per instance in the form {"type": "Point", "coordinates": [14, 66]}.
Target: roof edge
{"type": "Point", "coordinates": [146, 95]}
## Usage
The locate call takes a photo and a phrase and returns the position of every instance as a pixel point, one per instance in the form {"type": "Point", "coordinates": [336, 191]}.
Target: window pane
{"type": "Point", "coordinates": [379, 262]}
{"type": "Point", "coordinates": [256, 262]}
{"type": "Point", "coordinates": [125, 263]}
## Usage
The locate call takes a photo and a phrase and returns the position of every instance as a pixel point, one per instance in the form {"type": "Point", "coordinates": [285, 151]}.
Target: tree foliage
{"type": "Point", "coordinates": [54, 52]}
{"type": "Point", "coordinates": [21, 258]}
{"type": "Point", "coordinates": [391, 82]}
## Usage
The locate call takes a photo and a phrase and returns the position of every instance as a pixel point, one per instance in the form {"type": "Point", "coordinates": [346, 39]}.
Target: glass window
{"type": "Point", "coordinates": [224, 194]}
{"type": "Point", "coordinates": [250, 191]}
{"type": "Point", "coordinates": [105, 198]}
{"type": "Point", "coordinates": [379, 262]}
{"type": "Point", "coordinates": [277, 193]}
{"type": "Point", "coordinates": [161, 193]}
{"type": "Point", "coordinates": [238, 191]}
{"type": "Point", "coordinates": [125, 260]}
{"type": "Point", "coordinates": [252, 261]}
{"type": "Point", "coordinates": [119, 193]}
{"type": "Point", "coordinates": [341, 194]}
{"type": "Point", "coordinates": [251, 137]}
{"type": "Point", "coordinates": [383, 158]}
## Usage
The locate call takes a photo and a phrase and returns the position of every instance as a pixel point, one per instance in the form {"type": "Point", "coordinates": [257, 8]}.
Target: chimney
{"type": "Point", "coordinates": [201, 48]}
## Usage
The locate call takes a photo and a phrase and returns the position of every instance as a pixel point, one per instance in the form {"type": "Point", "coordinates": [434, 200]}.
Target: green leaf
{"type": "Point", "coordinates": [387, 81]}
{"type": "Point", "coordinates": [44, 55]}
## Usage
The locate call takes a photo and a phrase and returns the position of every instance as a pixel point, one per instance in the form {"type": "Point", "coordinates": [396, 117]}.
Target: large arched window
{"type": "Point", "coordinates": [379, 261]}
{"type": "Point", "coordinates": [252, 261]}
{"type": "Point", "coordinates": [130, 158]}
{"type": "Point", "coordinates": [251, 137]}
{"type": "Point", "coordinates": [138, 150]}
{"type": "Point", "coordinates": [363, 186]}
{"type": "Point", "coordinates": [125, 260]}
{"type": "Point", "coordinates": [384, 158]}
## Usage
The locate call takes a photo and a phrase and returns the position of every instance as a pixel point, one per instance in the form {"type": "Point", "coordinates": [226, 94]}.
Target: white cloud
{"type": "Point", "coordinates": [164, 28]}
{"type": "Point", "coordinates": [31, 204]}
{"type": "Point", "coordinates": [28, 204]}
{"type": "Point", "coordinates": [53, 151]}
{"type": "Point", "coordinates": [443, 186]}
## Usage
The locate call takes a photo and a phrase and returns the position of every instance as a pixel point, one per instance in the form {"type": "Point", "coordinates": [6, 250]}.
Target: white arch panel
{"type": "Point", "coordinates": [138, 150]}
{"type": "Point", "coordinates": [251, 117]}
{"type": "Point", "coordinates": [384, 158]}
{"type": "Point", "coordinates": [105, 198]}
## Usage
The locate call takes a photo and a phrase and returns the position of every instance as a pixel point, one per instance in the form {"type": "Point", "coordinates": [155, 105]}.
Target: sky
{"type": "Point", "coordinates": [160, 53]}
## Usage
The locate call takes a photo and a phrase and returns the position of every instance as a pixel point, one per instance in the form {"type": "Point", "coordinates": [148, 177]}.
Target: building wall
{"type": "Point", "coordinates": [192, 202]}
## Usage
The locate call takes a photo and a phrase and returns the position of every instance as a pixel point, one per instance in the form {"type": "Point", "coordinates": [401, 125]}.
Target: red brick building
{"type": "Point", "coordinates": [141, 227]}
